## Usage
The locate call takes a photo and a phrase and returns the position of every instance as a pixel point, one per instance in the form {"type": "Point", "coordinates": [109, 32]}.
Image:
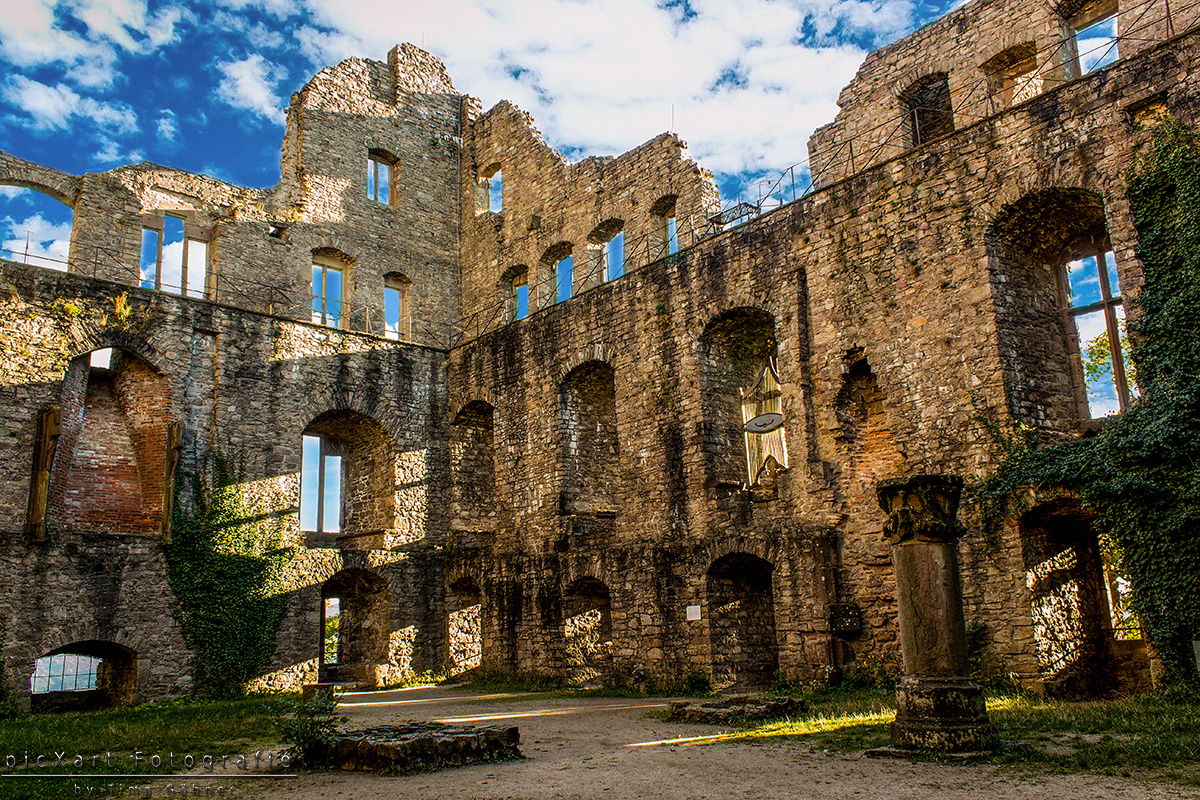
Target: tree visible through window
{"type": "Point", "coordinates": [1093, 304]}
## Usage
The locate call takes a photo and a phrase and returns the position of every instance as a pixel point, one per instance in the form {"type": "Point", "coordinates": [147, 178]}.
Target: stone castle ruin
{"type": "Point", "coordinates": [492, 407]}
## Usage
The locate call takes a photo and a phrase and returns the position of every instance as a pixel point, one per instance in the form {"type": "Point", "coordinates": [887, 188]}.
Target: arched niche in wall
{"type": "Point", "coordinates": [347, 481]}
{"type": "Point", "coordinates": [1036, 254]}
{"type": "Point", "coordinates": [606, 252]}
{"type": "Point", "coordinates": [588, 631]}
{"type": "Point", "coordinates": [929, 113]}
{"type": "Point", "coordinates": [473, 461]}
{"type": "Point", "coordinates": [464, 623]}
{"type": "Point", "coordinates": [734, 350]}
{"type": "Point", "coordinates": [111, 468]}
{"type": "Point", "coordinates": [741, 610]}
{"type": "Point", "coordinates": [589, 450]}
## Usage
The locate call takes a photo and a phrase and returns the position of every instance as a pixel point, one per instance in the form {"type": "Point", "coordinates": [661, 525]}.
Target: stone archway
{"type": "Point", "coordinates": [361, 639]}
{"type": "Point", "coordinates": [741, 611]}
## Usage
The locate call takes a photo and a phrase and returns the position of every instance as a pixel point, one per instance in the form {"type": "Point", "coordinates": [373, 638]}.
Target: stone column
{"type": "Point", "coordinates": [937, 706]}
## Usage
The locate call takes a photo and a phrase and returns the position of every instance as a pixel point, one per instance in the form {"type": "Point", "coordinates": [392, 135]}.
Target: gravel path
{"type": "Point", "coordinates": [610, 749]}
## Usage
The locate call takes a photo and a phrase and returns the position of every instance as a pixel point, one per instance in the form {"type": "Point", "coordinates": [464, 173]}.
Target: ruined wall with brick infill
{"type": "Point", "coordinates": [553, 206]}
{"type": "Point", "coordinates": [243, 385]}
{"type": "Point", "coordinates": [874, 125]}
{"type": "Point", "coordinates": [890, 311]}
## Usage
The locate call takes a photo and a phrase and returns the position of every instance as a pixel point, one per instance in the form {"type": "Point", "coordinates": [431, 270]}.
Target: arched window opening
{"type": "Point", "coordinates": [928, 108]}
{"type": "Point", "coordinates": [1013, 76]}
{"type": "Point", "coordinates": [664, 234]}
{"type": "Point", "coordinates": [606, 252]}
{"type": "Point", "coordinates": [737, 366]}
{"type": "Point", "coordinates": [559, 269]}
{"type": "Point", "coordinates": [107, 461]}
{"type": "Point", "coordinates": [356, 601]}
{"type": "Point", "coordinates": [84, 676]}
{"type": "Point", "coordinates": [516, 291]}
{"type": "Point", "coordinates": [175, 253]}
{"type": "Point", "coordinates": [397, 312]}
{"type": "Point", "coordinates": [464, 613]}
{"type": "Point", "coordinates": [382, 173]}
{"type": "Point", "coordinates": [587, 629]}
{"type": "Point", "coordinates": [1058, 309]}
{"type": "Point", "coordinates": [35, 228]}
{"type": "Point", "coordinates": [741, 607]}
{"type": "Point", "coordinates": [347, 480]}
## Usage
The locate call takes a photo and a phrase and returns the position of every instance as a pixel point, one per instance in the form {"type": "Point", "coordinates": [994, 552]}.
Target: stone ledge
{"type": "Point", "coordinates": [736, 708]}
{"type": "Point", "coordinates": [421, 745]}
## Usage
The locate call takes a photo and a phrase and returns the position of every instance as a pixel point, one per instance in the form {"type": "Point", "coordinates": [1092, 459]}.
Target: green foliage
{"type": "Point", "coordinates": [227, 570]}
{"type": "Point", "coordinates": [331, 638]}
{"type": "Point", "coordinates": [1141, 474]}
{"type": "Point", "coordinates": [308, 726]}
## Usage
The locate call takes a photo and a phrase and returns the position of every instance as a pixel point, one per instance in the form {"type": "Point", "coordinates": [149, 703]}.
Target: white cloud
{"type": "Point", "coordinates": [33, 240]}
{"type": "Point", "coordinates": [86, 36]}
{"type": "Point", "coordinates": [110, 152]}
{"type": "Point", "coordinates": [167, 128]}
{"type": "Point", "coordinates": [53, 107]}
{"type": "Point", "coordinates": [250, 84]}
{"type": "Point", "coordinates": [602, 75]}
{"type": "Point", "coordinates": [9, 192]}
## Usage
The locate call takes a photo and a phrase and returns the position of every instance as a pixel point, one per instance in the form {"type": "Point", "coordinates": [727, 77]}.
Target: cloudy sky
{"type": "Point", "coordinates": [86, 85]}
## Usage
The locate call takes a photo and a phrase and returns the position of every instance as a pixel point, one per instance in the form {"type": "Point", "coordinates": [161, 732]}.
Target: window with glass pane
{"type": "Point", "coordinates": [320, 486]}
{"type": "Point", "coordinates": [64, 672]}
{"type": "Point", "coordinates": [327, 294]}
{"type": "Point", "coordinates": [1094, 307]}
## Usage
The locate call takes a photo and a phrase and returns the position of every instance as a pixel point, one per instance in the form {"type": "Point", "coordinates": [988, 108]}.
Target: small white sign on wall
{"type": "Point", "coordinates": [693, 613]}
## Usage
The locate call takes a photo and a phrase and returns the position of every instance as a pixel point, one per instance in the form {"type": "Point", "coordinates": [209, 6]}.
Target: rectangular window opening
{"type": "Point", "coordinates": [521, 299]}
{"type": "Point", "coordinates": [327, 295]}
{"type": "Point", "coordinates": [379, 180]}
{"type": "Point", "coordinates": [320, 486]}
{"type": "Point", "coordinates": [174, 256]}
{"type": "Point", "coordinates": [1096, 40]}
{"type": "Point", "coordinates": [563, 275]}
{"type": "Point", "coordinates": [614, 257]}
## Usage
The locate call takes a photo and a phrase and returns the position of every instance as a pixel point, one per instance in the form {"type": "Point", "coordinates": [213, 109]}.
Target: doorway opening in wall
{"type": "Point", "coordinates": [587, 629]}
{"type": "Point", "coordinates": [84, 676]}
{"type": "Point", "coordinates": [354, 626]}
{"type": "Point", "coordinates": [465, 619]}
{"type": "Point", "coordinates": [742, 621]}
{"type": "Point", "coordinates": [330, 610]}
{"type": "Point", "coordinates": [1088, 640]}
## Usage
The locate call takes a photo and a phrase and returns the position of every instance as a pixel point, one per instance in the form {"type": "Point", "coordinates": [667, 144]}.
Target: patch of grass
{"type": "Point", "coordinates": [198, 728]}
{"type": "Point", "coordinates": [1154, 736]}
{"type": "Point", "coordinates": [1157, 735]}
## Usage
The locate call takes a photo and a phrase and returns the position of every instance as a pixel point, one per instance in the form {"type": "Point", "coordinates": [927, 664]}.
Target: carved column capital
{"type": "Point", "coordinates": [924, 507]}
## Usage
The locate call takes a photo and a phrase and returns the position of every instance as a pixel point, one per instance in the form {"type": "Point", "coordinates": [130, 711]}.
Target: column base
{"type": "Point", "coordinates": [946, 714]}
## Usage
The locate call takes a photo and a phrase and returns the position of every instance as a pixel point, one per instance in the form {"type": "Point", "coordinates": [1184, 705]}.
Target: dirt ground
{"type": "Point", "coordinates": [610, 749]}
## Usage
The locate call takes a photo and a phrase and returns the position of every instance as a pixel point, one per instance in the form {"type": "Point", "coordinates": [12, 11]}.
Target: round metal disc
{"type": "Point", "coordinates": [764, 423]}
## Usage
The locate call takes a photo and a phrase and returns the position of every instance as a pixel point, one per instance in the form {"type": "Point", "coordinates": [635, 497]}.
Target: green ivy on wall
{"type": "Point", "coordinates": [1140, 474]}
{"type": "Point", "coordinates": [227, 570]}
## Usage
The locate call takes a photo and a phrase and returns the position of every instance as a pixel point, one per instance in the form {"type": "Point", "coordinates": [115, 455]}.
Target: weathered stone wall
{"type": "Point", "coordinates": [970, 46]}
{"type": "Point", "coordinates": [553, 208]}
{"type": "Point", "coordinates": [891, 317]}
{"type": "Point", "coordinates": [245, 385]}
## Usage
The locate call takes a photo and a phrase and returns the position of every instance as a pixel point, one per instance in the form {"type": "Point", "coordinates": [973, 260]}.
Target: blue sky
{"type": "Point", "coordinates": [87, 85]}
